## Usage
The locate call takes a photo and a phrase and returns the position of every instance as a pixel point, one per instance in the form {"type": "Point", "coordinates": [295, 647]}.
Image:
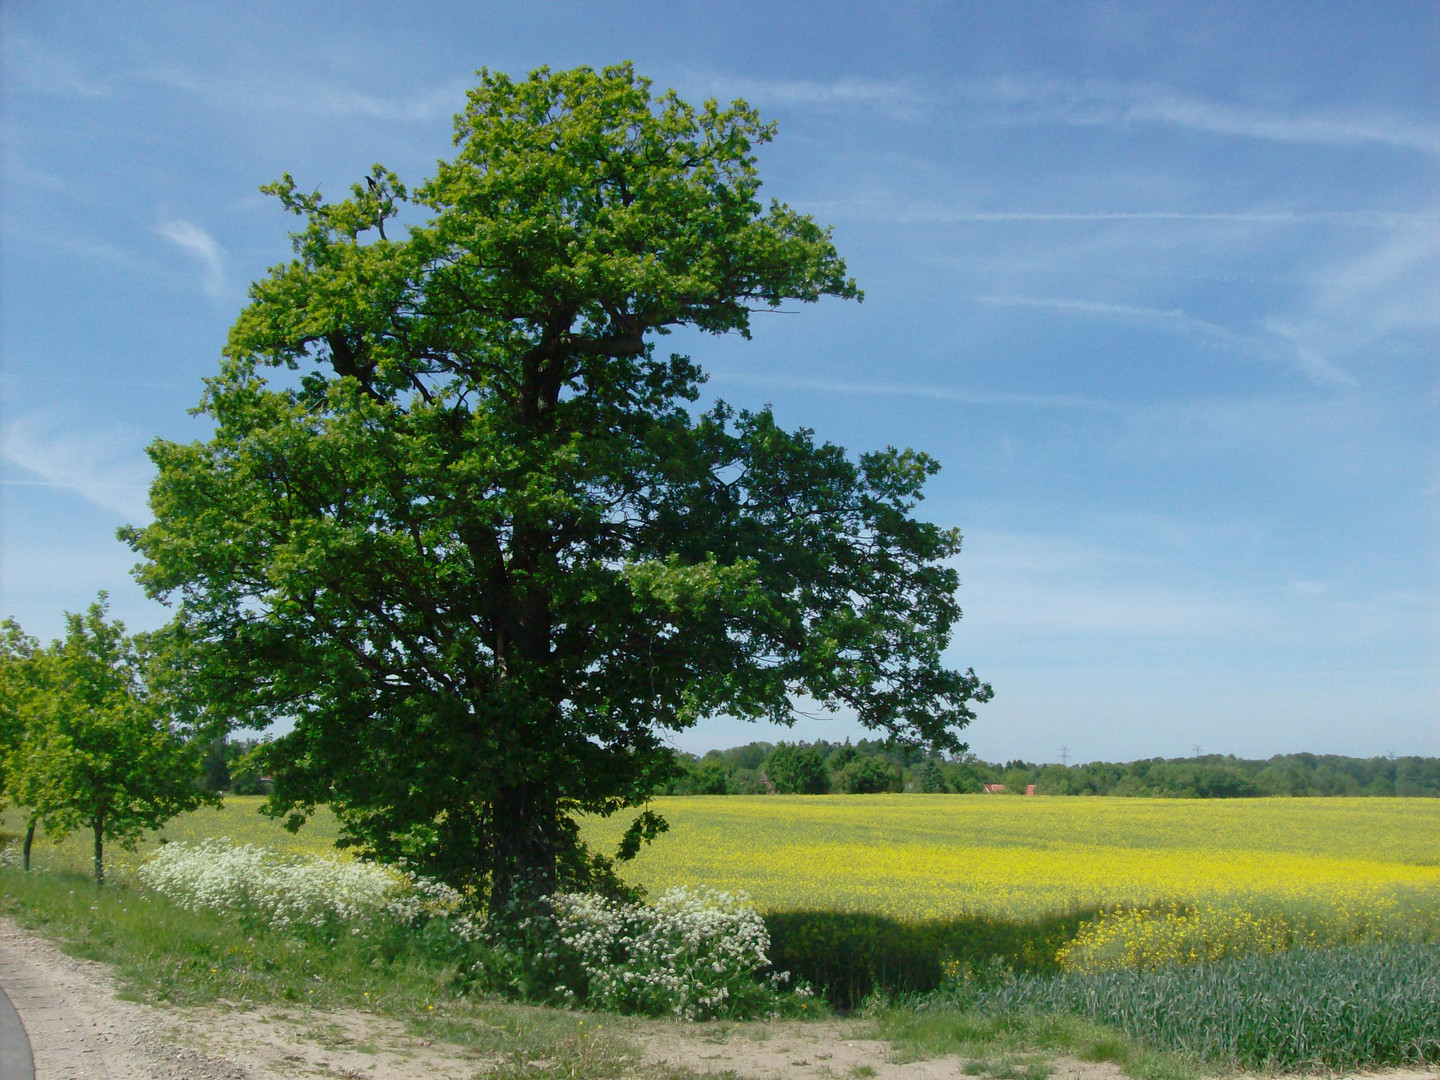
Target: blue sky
{"type": "Point", "coordinates": [1158, 284]}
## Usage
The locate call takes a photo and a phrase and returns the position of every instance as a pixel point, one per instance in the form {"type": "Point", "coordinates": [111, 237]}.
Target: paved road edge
{"type": "Point", "coordinates": [16, 1061]}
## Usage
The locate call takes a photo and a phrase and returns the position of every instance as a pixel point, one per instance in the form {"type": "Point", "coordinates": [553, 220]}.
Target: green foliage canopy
{"type": "Point", "coordinates": [797, 770]}
{"type": "Point", "coordinates": [97, 747]}
{"type": "Point", "coordinates": [869, 776]}
{"type": "Point", "coordinates": [481, 547]}
{"type": "Point", "coordinates": [18, 676]}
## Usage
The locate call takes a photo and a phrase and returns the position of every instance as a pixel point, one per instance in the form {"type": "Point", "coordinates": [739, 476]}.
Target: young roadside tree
{"type": "Point", "coordinates": [479, 545]}
{"type": "Point", "coordinates": [98, 749]}
{"type": "Point", "coordinates": [17, 685]}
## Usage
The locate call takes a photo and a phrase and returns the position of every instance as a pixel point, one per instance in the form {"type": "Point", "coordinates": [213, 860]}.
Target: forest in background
{"type": "Point", "coordinates": [871, 766]}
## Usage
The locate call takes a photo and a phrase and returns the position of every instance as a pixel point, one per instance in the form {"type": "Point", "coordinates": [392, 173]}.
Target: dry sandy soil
{"type": "Point", "coordinates": [80, 1030]}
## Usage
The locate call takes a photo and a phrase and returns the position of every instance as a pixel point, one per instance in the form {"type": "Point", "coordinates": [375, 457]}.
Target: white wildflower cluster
{"type": "Point", "coordinates": [419, 900]}
{"type": "Point", "coordinates": [691, 954]}
{"type": "Point", "coordinates": [10, 855]}
{"type": "Point", "coordinates": [284, 892]}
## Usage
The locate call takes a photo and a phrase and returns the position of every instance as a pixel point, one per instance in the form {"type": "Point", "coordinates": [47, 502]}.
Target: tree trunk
{"type": "Point", "coordinates": [524, 831]}
{"type": "Point", "coordinates": [98, 827]}
{"type": "Point", "coordinates": [29, 843]}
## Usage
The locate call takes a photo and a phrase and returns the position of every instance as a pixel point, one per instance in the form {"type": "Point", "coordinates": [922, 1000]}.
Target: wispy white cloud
{"type": "Point", "coordinates": [251, 94]}
{"type": "Point", "coordinates": [105, 467]}
{"type": "Point", "coordinates": [1310, 361]}
{"type": "Point", "coordinates": [198, 243]}
{"type": "Point", "coordinates": [1041, 99]}
{"type": "Point", "coordinates": [901, 212]}
{"type": "Point", "coordinates": [1327, 128]}
{"type": "Point", "coordinates": [1096, 103]}
{"type": "Point", "coordinates": [916, 390]}
{"type": "Point", "coordinates": [898, 99]}
{"type": "Point", "coordinates": [1048, 607]}
{"type": "Point", "coordinates": [1172, 317]}
{"type": "Point", "coordinates": [1049, 584]}
{"type": "Point", "coordinates": [1162, 577]}
{"type": "Point", "coordinates": [1362, 306]}
{"type": "Point", "coordinates": [31, 67]}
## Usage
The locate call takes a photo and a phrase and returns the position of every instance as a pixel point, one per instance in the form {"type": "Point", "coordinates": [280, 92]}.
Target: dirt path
{"type": "Point", "coordinates": [833, 1050]}
{"type": "Point", "coordinates": [80, 1030]}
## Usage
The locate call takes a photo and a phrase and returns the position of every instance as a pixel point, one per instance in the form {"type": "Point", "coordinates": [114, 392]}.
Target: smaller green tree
{"type": "Point", "coordinates": [797, 770]}
{"type": "Point", "coordinates": [930, 778]}
{"type": "Point", "coordinates": [17, 654]}
{"type": "Point", "coordinates": [869, 776]}
{"type": "Point", "coordinates": [17, 684]}
{"type": "Point", "coordinates": [98, 747]}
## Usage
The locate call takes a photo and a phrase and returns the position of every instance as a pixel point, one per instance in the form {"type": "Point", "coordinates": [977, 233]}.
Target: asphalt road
{"type": "Point", "coordinates": [16, 1062]}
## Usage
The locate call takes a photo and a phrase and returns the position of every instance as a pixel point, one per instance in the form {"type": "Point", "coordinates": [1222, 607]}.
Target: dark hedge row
{"type": "Point", "coordinates": [846, 956]}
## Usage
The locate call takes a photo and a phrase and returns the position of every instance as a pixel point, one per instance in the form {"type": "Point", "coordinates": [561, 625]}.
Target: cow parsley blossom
{"type": "Point", "coordinates": [695, 955]}
{"type": "Point", "coordinates": [246, 881]}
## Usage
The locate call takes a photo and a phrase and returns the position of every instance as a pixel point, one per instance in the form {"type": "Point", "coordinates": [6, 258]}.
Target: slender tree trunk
{"type": "Point", "coordinates": [99, 829]}
{"type": "Point", "coordinates": [29, 843]}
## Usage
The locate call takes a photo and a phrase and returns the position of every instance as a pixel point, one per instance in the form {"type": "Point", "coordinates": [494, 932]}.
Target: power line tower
{"type": "Point", "coordinates": [1065, 756]}
{"type": "Point", "coordinates": [1196, 750]}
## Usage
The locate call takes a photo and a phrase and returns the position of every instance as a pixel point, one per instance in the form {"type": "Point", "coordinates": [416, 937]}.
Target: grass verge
{"type": "Point", "coordinates": [1014, 1045]}
{"type": "Point", "coordinates": [165, 955]}
{"type": "Point", "coordinates": [1336, 1008]}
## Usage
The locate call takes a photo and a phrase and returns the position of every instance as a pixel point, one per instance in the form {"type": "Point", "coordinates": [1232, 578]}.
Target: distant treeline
{"type": "Point", "coordinates": [873, 766]}
{"type": "Point", "coordinates": [229, 765]}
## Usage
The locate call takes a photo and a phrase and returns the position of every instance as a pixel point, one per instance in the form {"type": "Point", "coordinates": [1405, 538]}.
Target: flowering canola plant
{"type": "Point", "coordinates": [1173, 879]}
{"type": "Point", "coordinates": [1176, 880]}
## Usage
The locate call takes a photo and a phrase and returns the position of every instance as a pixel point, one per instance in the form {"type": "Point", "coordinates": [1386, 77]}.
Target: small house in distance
{"type": "Point", "coordinates": [994, 789]}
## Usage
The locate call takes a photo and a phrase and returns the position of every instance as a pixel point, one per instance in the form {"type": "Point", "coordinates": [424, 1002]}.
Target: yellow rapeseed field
{"type": "Point", "coordinates": [928, 856]}
{"type": "Point", "coordinates": [1353, 865]}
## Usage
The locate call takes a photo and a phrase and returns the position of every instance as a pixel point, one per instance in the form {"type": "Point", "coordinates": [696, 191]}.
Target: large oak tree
{"type": "Point", "coordinates": [474, 537]}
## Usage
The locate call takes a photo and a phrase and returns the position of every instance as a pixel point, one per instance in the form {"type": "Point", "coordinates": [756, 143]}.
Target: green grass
{"type": "Point", "coordinates": [239, 819]}
{"type": "Point", "coordinates": [165, 955]}
{"type": "Point", "coordinates": [1014, 1046]}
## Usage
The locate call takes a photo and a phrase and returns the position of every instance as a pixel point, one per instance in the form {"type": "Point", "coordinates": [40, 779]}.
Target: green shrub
{"type": "Point", "coordinates": [694, 955]}
{"type": "Point", "coordinates": [869, 776]}
{"type": "Point", "coordinates": [798, 770]}
{"type": "Point", "coordinates": [847, 956]}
